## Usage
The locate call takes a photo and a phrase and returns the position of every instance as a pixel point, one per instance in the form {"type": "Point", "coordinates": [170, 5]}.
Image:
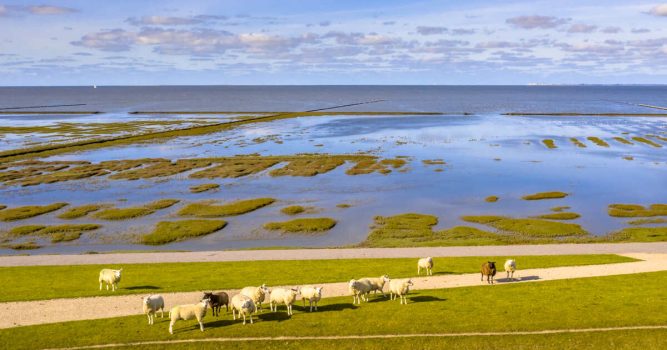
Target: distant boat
{"type": "Point", "coordinates": [94, 86]}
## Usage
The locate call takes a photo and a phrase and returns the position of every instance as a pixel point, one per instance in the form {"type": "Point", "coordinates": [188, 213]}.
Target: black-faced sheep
{"type": "Point", "coordinates": [489, 270]}
{"type": "Point", "coordinates": [217, 300]}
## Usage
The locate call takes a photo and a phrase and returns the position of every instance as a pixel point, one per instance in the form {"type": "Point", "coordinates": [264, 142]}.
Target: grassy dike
{"type": "Point", "coordinates": [48, 282]}
{"type": "Point", "coordinates": [612, 301]}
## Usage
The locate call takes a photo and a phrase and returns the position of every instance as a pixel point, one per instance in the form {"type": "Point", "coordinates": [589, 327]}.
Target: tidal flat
{"type": "Point", "coordinates": [348, 168]}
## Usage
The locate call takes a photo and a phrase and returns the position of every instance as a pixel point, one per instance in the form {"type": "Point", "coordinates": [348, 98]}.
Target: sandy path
{"type": "Point", "coordinates": [351, 253]}
{"type": "Point", "coordinates": [61, 310]}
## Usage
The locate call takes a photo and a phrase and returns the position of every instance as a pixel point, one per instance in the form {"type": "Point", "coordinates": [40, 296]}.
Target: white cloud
{"type": "Point", "coordinates": [581, 28]}
{"type": "Point", "coordinates": [49, 10]}
{"type": "Point", "coordinates": [659, 10]}
{"type": "Point", "coordinates": [535, 22]}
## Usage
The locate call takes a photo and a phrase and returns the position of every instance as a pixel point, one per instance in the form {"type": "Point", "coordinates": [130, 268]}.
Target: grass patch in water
{"type": "Point", "coordinates": [636, 210]}
{"type": "Point", "coordinates": [162, 169]}
{"type": "Point", "coordinates": [161, 204]}
{"type": "Point", "coordinates": [559, 216]}
{"type": "Point", "coordinates": [577, 143]}
{"type": "Point", "coordinates": [647, 141]}
{"type": "Point", "coordinates": [641, 234]}
{"type": "Point", "coordinates": [560, 208]}
{"type": "Point", "coordinates": [433, 162]}
{"type": "Point", "coordinates": [234, 168]}
{"type": "Point", "coordinates": [648, 221]}
{"type": "Point", "coordinates": [23, 246]}
{"type": "Point", "coordinates": [174, 231]}
{"type": "Point", "coordinates": [79, 212]}
{"type": "Point", "coordinates": [544, 195]}
{"type": "Point", "coordinates": [76, 173]}
{"type": "Point", "coordinates": [598, 141]}
{"type": "Point", "coordinates": [57, 233]}
{"type": "Point", "coordinates": [305, 225]}
{"type": "Point", "coordinates": [623, 140]}
{"type": "Point", "coordinates": [293, 210]}
{"type": "Point", "coordinates": [491, 199]}
{"type": "Point", "coordinates": [134, 212]}
{"type": "Point", "coordinates": [528, 227]}
{"type": "Point", "coordinates": [203, 188]}
{"type": "Point", "coordinates": [383, 166]}
{"type": "Point", "coordinates": [206, 210]}
{"type": "Point", "coordinates": [123, 213]}
{"type": "Point", "coordinates": [19, 231]}
{"type": "Point", "coordinates": [343, 205]}
{"type": "Point", "coordinates": [28, 211]}
{"type": "Point", "coordinates": [308, 167]}
{"type": "Point", "coordinates": [549, 143]}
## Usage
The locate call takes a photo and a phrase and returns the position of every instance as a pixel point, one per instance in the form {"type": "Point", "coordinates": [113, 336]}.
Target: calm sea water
{"type": "Point", "coordinates": [472, 99]}
{"type": "Point", "coordinates": [486, 154]}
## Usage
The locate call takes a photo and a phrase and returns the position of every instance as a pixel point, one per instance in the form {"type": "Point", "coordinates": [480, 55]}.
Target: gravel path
{"type": "Point", "coordinates": [62, 310]}
{"type": "Point", "coordinates": [348, 253]}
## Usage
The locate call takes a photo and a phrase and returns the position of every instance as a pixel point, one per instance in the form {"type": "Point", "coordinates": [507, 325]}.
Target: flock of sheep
{"type": "Point", "coordinates": [247, 301]}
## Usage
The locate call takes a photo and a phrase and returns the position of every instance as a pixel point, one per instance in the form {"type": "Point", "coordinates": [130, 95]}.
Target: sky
{"type": "Point", "coordinates": [300, 42]}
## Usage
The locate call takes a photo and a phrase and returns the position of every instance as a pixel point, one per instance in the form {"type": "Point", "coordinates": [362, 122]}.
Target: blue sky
{"type": "Point", "coordinates": [332, 42]}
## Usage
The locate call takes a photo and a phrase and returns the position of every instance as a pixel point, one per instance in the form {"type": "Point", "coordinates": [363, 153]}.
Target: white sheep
{"type": "Point", "coordinates": [257, 294]}
{"type": "Point", "coordinates": [244, 305]}
{"type": "Point", "coordinates": [110, 278]}
{"type": "Point", "coordinates": [376, 283]}
{"type": "Point", "coordinates": [425, 263]}
{"type": "Point", "coordinates": [359, 290]}
{"type": "Point", "coordinates": [510, 267]}
{"type": "Point", "coordinates": [400, 289]}
{"type": "Point", "coordinates": [151, 304]}
{"type": "Point", "coordinates": [313, 294]}
{"type": "Point", "coordinates": [188, 312]}
{"type": "Point", "coordinates": [283, 296]}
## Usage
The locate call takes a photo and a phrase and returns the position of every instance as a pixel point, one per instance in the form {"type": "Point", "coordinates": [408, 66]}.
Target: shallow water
{"type": "Point", "coordinates": [486, 154]}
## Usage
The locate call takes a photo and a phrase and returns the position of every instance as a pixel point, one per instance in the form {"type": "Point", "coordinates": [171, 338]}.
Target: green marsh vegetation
{"type": "Point", "coordinates": [636, 210]}
{"type": "Point", "coordinates": [560, 208]}
{"type": "Point", "coordinates": [303, 226]}
{"type": "Point", "coordinates": [134, 212]}
{"type": "Point", "coordinates": [224, 167]}
{"type": "Point", "coordinates": [308, 167]}
{"type": "Point", "coordinates": [30, 245]}
{"type": "Point", "coordinates": [293, 210]}
{"type": "Point", "coordinates": [559, 216]}
{"type": "Point", "coordinates": [491, 199]}
{"type": "Point", "coordinates": [433, 162]}
{"type": "Point", "coordinates": [28, 211]}
{"type": "Point", "coordinates": [647, 141]}
{"type": "Point", "coordinates": [343, 205]}
{"type": "Point", "coordinates": [577, 143]}
{"type": "Point", "coordinates": [80, 211]}
{"type": "Point", "coordinates": [545, 195]}
{"type": "Point", "coordinates": [209, 210]}
{"type": "Point", "coordinates": [173, 231]}
{"type": "Point", "coordinates": [641, 234]}
{"type": "Point", "coordinates": [528, 227]}
{"type": "Point", "coordinates": [57, 233]}
{"type": "Point", "coordinates": [598, 141]}
{"type": "Point", "coordinates": [549, 143]}
{"type": "Point", "coordinates": [383, 166]}
{"type": "Point", "coordinates": [623, 140]}
{"type": "Point", "coordinates": [492, 310]}
{"type": "Point", "coordinates": [204, 188]}
{"type": "Point", "coordinates": [69, 281]}
{"type": "Point", "coordinates": [648, 221]}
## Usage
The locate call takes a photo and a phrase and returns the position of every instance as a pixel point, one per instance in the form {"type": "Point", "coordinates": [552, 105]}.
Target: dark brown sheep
{"type": "Point", "coordinates": [489, 270]}
{"type": "Point", "coordinates": [217, 300]}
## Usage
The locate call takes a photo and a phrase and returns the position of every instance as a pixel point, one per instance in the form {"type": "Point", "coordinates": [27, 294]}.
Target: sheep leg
{"type": "Point", "coordinates": [244, 317]}
{"type": "Point", "coordinates": [419, 270]}
{"type": "Point", "coordinates": [201, 325]}
{"type": "Point", "coordinates": [250, 318]}
{"type": "Point", "coordinates": [171, 327]}
{"type": "Point", "coordinates": [162, 312]}
{"type": "Point", "coordinates": [234, 314]}
{"type": "Point", "coordinates": [100, 285]}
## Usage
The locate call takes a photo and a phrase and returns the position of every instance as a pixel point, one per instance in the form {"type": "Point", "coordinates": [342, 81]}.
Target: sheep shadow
{"type": "Point", "coordinates": [142, 287]}
{"type": "Point", "coordinates": [331, 307]}
{"type": "Point", "coordinates": [517, 279]}
{"type": "Point", "coordinates": [278, 316]}
{"type": "Point", "coordinates": [425, 298]}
